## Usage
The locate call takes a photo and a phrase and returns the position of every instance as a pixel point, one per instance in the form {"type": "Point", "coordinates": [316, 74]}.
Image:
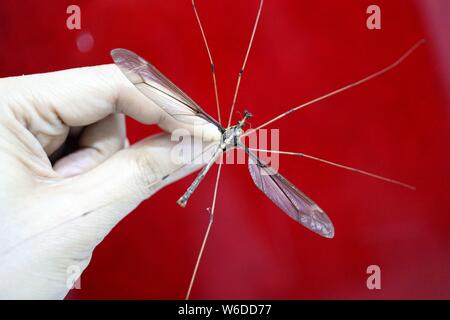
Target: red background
{"type": "Point", "coordinates": [396, 125]}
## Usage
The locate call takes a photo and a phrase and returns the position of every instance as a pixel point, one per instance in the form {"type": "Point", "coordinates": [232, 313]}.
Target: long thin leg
{"type": "Point", "coordinates": [205, 238]}
{"type": "Point", "coordinates": [244, 63]}
{"type": "Point", "coordinates": [213, 68]}
{"type": "Point", "coordinates": [339, 166]}
{"type": "Point", "coordinates": [185, 197]}
{"type": "Point", "coordinates": [354, 84]}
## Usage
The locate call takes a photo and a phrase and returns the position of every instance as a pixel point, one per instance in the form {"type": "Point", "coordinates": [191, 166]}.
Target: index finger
{"type": "Point", "coordinates": [82, 96]}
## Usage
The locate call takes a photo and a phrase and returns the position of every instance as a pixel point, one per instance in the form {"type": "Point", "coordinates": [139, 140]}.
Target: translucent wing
{"type": "Point", "coordinates": [159, 89]}
{"type": "Point", "coordinates": [289, 199]}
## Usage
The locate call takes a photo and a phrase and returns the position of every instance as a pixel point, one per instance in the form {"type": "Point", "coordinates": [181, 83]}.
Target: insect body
{"type": "Point", "coordinates": [231, 137]}
{"type": "Point", "coordinates": [278, 189]}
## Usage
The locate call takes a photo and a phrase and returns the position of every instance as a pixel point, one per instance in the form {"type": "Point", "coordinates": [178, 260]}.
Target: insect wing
{"type": "Point", "coordinates": [289, 199]}
{"type": "Point", "coordinates": [155, 86]}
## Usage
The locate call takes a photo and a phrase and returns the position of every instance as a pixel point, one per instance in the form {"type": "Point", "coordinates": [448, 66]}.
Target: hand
{"type": "Point", "coordinates": [52, 217]}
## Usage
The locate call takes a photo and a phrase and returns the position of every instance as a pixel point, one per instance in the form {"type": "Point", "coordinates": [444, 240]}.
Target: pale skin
{"type": "Point", "coordinates": [52, 216]}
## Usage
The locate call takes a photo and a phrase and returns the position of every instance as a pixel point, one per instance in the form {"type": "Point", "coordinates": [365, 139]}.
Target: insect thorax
{"type": "Point", "coordinates": [231, 136]}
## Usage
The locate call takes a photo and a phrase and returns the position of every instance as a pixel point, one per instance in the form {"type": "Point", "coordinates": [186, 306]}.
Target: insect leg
{"type": "Point", "coordinates": [241, 72]}
{"type": "Point", "coordinates": [185, 197]}
{"type": "Point", "coordinates": [213, 68]}
{"type": "Point", "coordinates": [373, 175]}
{"type": "Point", "coordinates": [205, 238]}
{"type": "Point", "coordinates": [351, 85]}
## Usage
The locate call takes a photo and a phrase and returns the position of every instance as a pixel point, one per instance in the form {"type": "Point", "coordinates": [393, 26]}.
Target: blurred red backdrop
{"type": "Point", "coordinates": [396, 125]}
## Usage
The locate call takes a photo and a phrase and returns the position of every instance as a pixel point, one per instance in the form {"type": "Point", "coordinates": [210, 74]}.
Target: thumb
{"type": "Point", "coordinates": [83, 209]}
{"type": "Point", "coordinates": [115, 187]}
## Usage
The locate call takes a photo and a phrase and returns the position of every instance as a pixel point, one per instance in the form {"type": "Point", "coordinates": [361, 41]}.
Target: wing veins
{"type": "Point", "coordinates": [197, 112]}
{"type": "Point", "coordinates": [277, 183]}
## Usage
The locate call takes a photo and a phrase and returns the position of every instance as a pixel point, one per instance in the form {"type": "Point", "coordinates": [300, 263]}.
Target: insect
{"type": "Point", "coordinates": [155, 86]}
